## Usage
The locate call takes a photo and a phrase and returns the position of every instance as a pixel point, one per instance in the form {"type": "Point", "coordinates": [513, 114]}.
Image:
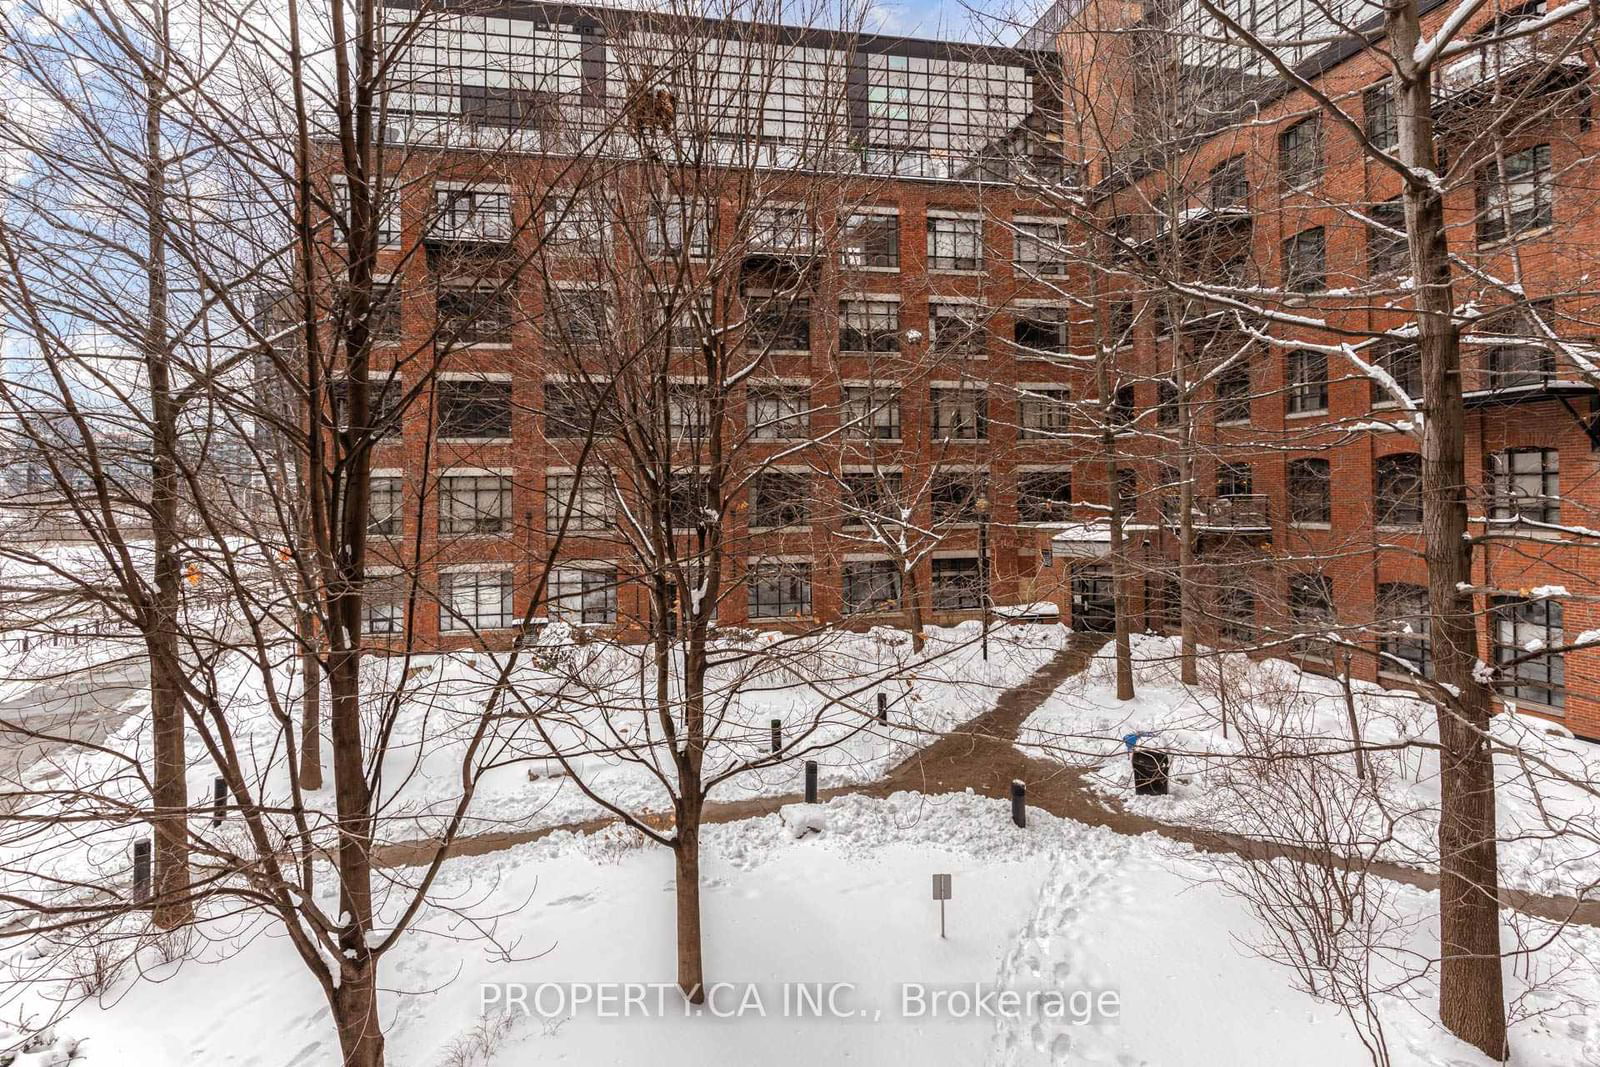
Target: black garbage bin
{"type": "Point", "coordinates": [1150, 772]}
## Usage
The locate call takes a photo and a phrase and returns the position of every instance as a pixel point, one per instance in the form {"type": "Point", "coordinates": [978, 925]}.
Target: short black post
{"type": "Point", "coordinates": [811, 781]}
{"type": "Point", "coordinates": [883, 708]}
{"type": "Point", "coordinates": [219, 800]}
{"type": "Point", "coordinates": [777, 734]}
{"type": "Point", "coordinates": [1019, 804]}
{"type": "Point", "coordinates": [141, 871]}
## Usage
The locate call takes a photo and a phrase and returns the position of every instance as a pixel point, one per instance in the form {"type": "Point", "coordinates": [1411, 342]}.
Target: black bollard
{"type": "Point", "coordinates": [777, 734]}
{"type": "Point", "coordinates": [141, 871]}
{"type": "Point", "coordinates": [1019, 804]}
{"type": "Point", "coordinates": [883, 708]}
{"type": "Point", "coordinates": [811, 781]}
{"type": "Point", "coordinates": [219, 800]}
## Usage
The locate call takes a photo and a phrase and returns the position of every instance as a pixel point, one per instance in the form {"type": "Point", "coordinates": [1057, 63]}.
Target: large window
{"type": "Point", "coordinates": [1168, 403]}
{"type": "Point", "coordinates": [1525, 630]}
{"type": "Point", "coordinates": [383, 404]}
{"type": "Point", "coordinates": [688, 498]}
{"type": "Point", "coordinates": [384, 504]}
{"type": "Point", "coordinates": [576, 316]}
{"type": "Point", "coordinates": [576, 225]}
{"type": "Point", "coordinates": [582, 595]}
{"type": "Point", "coordinates": [872, 411]}
{"type": "Point", "coordinates": [475, 316]}
{"type": "Point", "coordinates": [1516, 198]}
{"type": "Point", "coordinates": [474, 410]}
{"type": "Point", "coordinates": [477, 599]}
{"type": "Point", "coordinates": [1044, 496]}
{"type": "Point", "coordinates": [955, 495]}
{"type": "Point", "coordinates": [780, 498]}
{"type": "Point", "coordinates": [384, 320]}
{"type": "Point", "coordinates": [679, 228]}
{"type": "Point", "coordinates": [1387, 250]}
{"type": "Point", "coordinates": [1404, 621]}
{"type": "Point", "coordinates": [688, 411]}
{"type": "Point", "coordinates": [955, 244]}
{"type": "Point", "coordinates": [1308, 382]}
{"type": "Point", "coordinates": [778, 323]}
{"type": "Point", "coordinates": [474, 213]}
{"type": "Point", "coordinates": [1229, 184]}
{"type": "Point", "coordinates": [1300, 153]}
{"type": "Point", "coordinates": [1310, 502]}
{"type": "Point", "coordinates": [867, 325]}
{"type": "Point", "coordinates": [1235, 479]}
{"type": "Point", "coordinates": [1233, 393]}
{"type": "Point", "coordinates": [957, 329]}
{"type": "Point", "coordinates": [960, 414]}
{"type": "Point", "coordinates": [474, 504]}
{"type": "Point", "coordinates": [871, 240]}
{"type": "Point", "coordinates": [1236, 614]}
{"type": "Point", "coordinates": [1305, 261]}
{"type": "Point", "coordinates": [1311, 613]}
{"type": "Point", "coordinates": [386, 211]}
{"type": "Point", "coordinates": [1042, 412]}
{"type": "Point", "coordinates": [569, 407]}
{"type": "Point", "coordinates": [779, 590]}
{"type": "Point", "coordinates": [1040, 329]}
{"type": "Point", "coordinates": [383, 604]}
{"type": "Point", "coordinates": [1402, 361]}
{"type": "Point", "coordinates": [1519, 355]}
{"type": "Point", "coordinates": [870, 585]}
{"type": "Point", "coordinates": [1397, 489]}
{"type": "Point", "coordinates": [584, 502]}
{"type": "Point", "coordinates": [1382, 120]}
{"type": "Point", "coordinates": [873, 498]}
{"type": "Point", "coordinates": [779, 412]}
{"type": "Point", "coordinates": [957, 584]}
{"type": "Point", "coordinates": [1041, 249]}
{"type": "Point", "coordinates": [1524, 484]}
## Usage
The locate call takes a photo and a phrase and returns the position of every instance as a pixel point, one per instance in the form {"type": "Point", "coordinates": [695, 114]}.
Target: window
{"type": "Point", "coordinates": [957, 584]}
{"type": "Point", "coordinates": [779, 499]}
{"type": "Point", "coordinates": [1044, 496]}
{"type": "Point", "coordinates": [1387, 250]}
{"type": "Point", "coordinates": [383, 608]}
{"type": "Point", "coordinates": [874, 495]}
{"type": "Point", "coordinates": [471, 214]}
{"type": "Point", "coordinates": [506, 107]}
{"type": "Point", "coordinates": [1310, 502]}
{"type": "Point", "coordinates": [569, 408]}
{"type": "Point", "coordinates": [1119, 322]}
{"type": "Point", "coordinates": [779, 590]}
{"type": "Point", "coordinates": [1525, 630]}
{"type": "Point", "coordinates": [1305, 262]}
{"type": "Point", "coordinates": [585, 595]}
{"type": "Point", "coordinates": [870, 585]}
{"type": "Point", "coordinates": [1404, 621]}
{"type": "Point", "coordinates": [778, 323]}
{"type": "Point", "coordinates": [1042, 412]}
{"type": "Point", "coordinates": [384, 502]}
{"type": "Point", "coordinates": [1230, 184]}
{"type": "Point", "coordinates": [1235, 479]}
{"type": "Point", "coordinates": [955, 244]}
{"type": "Point", "coordinates": [584, 502]}
{"type": "Point", "coordinates": [869, 325]}
{"type": "Point", "coordinates": [1040, 329]}
{"type": "Point", "coordinates": [475, 316]}
{"type": "Point", "coordinates": [1233, 393]}
{"type": "Point", "coordinates": [779, 412]}
{"type": "Point", "coordinates": [1041, 249]}
{"type": "Point", "coordinates": [957, 329]}
{"type": "Point", "coordinates": [1094, 598]}
{"type": "Point", "coordinates": [781, 231]}
{"type": "Point", "coordinates": [1402, 361]}
{"type": "Point", "coordinates": [383, 404]}
{"type": "Point", "coordinates": [477, 599]}
{"type": "Point", "coordinates": [1128, 491]}
{"type": "Point", "coordinates": [1167, 492]}
{"type": "Point", "coordinates": [688, 500]}
{"type": "Point", "coordinates": [1167, 405]}
{"type": "Point", "coordinates": [872, 411]}
{"type": "Point", "coordinates": [955, 495]}
{"type": "Point", "coordinates": [1122, 406]}
{"type": "Point", "coordinates": [1308, 382]}
{"type": "Point", "coordinates": [1382, 121]}
{"type": "Point", "coordinates": [384, 319]}
{"type": "Point", "coordinates": [575, 316]}
{"type": "Point", "coordinates": [1311, 613]}
{"type": "Point", "coordinates": [1236, 614]}
{"type": "Point", "coordinates": [1516, 199]}
{"type": "Point", "coordinates": [576, 225]}
{"type": "Point", "coordinates": [960, 414]}
{"type": "Point", "coordinates": [677, 228]}
{"type": "Point", "coordinates": [871, 240]}
{"type": "Point", "coordinates": [688, 411]}
{"type": "Point", "coordinates": [387, 211]}
{"type": "Point", "coordinates": [474, 410]}
{"type": "Point", "coordinates": [1521, 358]}
{"type": "Point", "coordinates": [1524, 485]}
{"type": "Point", "coordinates": [474, 504]}
{"type": "Point", "coordinates": [1300, 153]}
{"type": "Point", "coordinates": [1398, 490]}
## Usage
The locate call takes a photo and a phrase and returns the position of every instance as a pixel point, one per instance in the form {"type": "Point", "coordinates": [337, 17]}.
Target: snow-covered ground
{"type": "Point", "coordinates": [1224, 733]}
{"type": "Point", "coordinates": [1076, 910]}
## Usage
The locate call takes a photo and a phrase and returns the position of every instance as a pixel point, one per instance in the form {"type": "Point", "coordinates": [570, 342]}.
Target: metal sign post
{"type": "Point", "coordinates": [141, 871]}
{"type": "Point", "coordinates": [777, 734]}
{"type": "Point", "coordinates": [941, 893]}
{"type": "Point", "coordinates": [219, 800]}
{"type": "Point", "coordinates": [811, 781]}
{"type": "Point", "coordinates": [883, 708]}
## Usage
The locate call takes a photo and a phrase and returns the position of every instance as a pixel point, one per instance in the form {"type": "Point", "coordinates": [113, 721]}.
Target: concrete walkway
{"type": "Point", "coordinates": [982, 756]}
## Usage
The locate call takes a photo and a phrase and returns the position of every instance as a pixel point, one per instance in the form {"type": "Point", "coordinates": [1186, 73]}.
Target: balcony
{"type": "Point", "coordinates": [1537, 63]}
{"type": "Point", "coordinates": [467, 244]}
{"type": "Point", "coordinates": [1243, 514]}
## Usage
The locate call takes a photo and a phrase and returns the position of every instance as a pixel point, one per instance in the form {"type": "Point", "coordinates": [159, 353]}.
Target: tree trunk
{"type": "Point", "coordinates": [310, 708]}
{"type": "Point", "coordinates": [355, 1015]}
{"type": "Point", "coordinates": [1471, 991]}
{"type": "Point", "coordinates": [686, 851]}
{"type": "Point", "coordinates": [913, 598]}
{"type": "Point", "coordinates": [1354, 719]}
{"type": "Point", "coordinates": [1187, 671]}
{"type": "Point", "coordinates": [1119, 568]}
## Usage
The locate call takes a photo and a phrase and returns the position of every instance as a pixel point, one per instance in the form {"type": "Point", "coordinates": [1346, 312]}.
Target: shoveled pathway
{"type": "Point", "coordinates": [981, 755]}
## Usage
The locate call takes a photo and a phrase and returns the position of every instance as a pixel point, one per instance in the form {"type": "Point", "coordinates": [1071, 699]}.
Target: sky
{"type": "Point", "coordinates": [976, 20]}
